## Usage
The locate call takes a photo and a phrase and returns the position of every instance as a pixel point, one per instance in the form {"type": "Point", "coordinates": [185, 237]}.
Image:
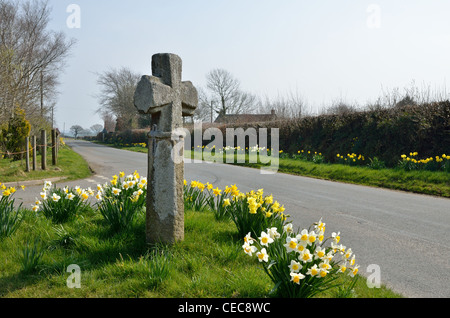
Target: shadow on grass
{"type": "Point", "coordinates": [17, 281]}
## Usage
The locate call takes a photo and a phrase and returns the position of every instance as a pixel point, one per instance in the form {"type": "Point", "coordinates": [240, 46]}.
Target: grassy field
{"type": "Point", "coordinates": [209, 263]}
{"type": "Point", "coordinates": [70, 165]}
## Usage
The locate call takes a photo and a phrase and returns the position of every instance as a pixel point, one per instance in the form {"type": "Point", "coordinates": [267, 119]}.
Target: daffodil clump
{"type": "Point", "coordinates": [197, 195]}
{"type": "Point", "coordinates": [253, 211]}
{"type": "Point", "coordinates": [140, 144]}
{"type": "Point", "coordinates": [61, 205]}
{"type": "Point", "coordinates": [121, 199]}
{"type": "Point", "coordinates": [351, 159]}
{"type": "Point", "coordinates": [308, 155]}
{"type": "Point", "coordinates": [436, 163]}
{"type": "Point", "coordinates": [10, 217]}
{"type": "Point", "coordinates": [301, 264]}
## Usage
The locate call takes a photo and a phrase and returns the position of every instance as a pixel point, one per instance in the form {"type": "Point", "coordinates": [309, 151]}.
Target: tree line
{"type": "Point", "coordinates": [222, 94]}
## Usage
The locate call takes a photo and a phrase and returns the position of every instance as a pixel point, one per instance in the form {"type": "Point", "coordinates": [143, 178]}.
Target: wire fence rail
{"type": "Point", "coordinates": [43, 147]}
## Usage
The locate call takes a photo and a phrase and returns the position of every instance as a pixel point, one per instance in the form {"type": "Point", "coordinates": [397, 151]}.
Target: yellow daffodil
{"type": "Point", "coordinates": [226, 202]}
{"type": "Point", "coordinates": [217, 191]}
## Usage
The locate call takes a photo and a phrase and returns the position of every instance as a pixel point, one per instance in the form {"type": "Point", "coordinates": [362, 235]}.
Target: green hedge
{"type": "Point", "coordinates": [385, 133]}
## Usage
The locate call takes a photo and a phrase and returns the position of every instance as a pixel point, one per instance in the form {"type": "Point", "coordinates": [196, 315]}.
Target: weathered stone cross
{"type": "Point", "coordinates": [167, 99]}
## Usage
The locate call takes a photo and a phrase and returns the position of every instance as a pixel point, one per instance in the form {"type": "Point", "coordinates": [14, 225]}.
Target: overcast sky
{"type": "Point", "coordinates": [323, 50]}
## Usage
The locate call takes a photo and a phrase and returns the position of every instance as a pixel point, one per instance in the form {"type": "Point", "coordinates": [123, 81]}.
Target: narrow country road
{"type": "Point", "coordinates": [404, 235]}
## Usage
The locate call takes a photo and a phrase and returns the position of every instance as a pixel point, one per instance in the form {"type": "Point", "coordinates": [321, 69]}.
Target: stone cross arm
{"type": "Point", "coordinates": [152, 95]}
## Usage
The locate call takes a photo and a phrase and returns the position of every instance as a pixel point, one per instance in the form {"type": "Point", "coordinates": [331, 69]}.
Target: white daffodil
{"type": "Point", "coordinates": [47, 185]}
{"type": "Point", "coordinates": [273, 233]}
{"type": "Point", "coordinates": [265, 239]}
{"type": "Point", "coordinates": [291, 244]}
{"type": "Point", "coordinates": [288, 228]}
{"type": "Point", "coordinates": [90, 192]}
{"type": "Point", "coordinates": [323, 272]}
{"type": "Point", "coordinates": [348, 253]}
{"type": "Point", "coordinates": [263, 256]}
{"type": "Point", "coordinates": [351, 261]}
{"type": "Point", "coordinates": [320, 226]}
{"type": "Point", "coordinates": [325, 265]}
{"type": "Point", "coordinates": [305, 256]}
{"type": "Point", "coordinates": [84, 195]}
{"type": "Point", "coordinates": [336, 237]}
{"type": "Point", "coordinates": [249, 249]}
{"type": "Point", "coordinates": [55, 197]}
{"type": "Point", "coordinates": [343, 267]}
{"type": "Point", "coordinates": [116, 191]}
{"type": "Point", "coordinates": [319, 252]}
{"type": "Point", "coordinates": [312, 236]}
{"type": "Point", "coordinates": [248, 239]}
{"type": "Point", "coordinates": [303, 236]}
{"type": "Point", "coordinates": [313, 271]}
{"type": "Point", "coordinates": [70, 196]}
{"type": "Point", "coordinates": [295, 266]}
{"type": "Point", "coordinates": [297, 277]}
{"type": "Point", "coordinates": [354, 270]}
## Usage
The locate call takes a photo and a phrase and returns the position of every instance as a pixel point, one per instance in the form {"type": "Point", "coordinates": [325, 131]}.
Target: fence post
{"type": "Point", "coordinates": [54, 159]}
{"type": "Point", "coordinates": [27, 158]}
{"type": "Point", "coordinates": [44, 149]}
{"type": "Point", "coordinates": [34, 147]}
{"type": "Point", "coordinates": [57, 144]}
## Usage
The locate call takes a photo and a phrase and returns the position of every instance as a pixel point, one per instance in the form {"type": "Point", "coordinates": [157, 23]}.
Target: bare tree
{"type": "Point", "coordinates": [117, 93]}
{"type": "Point", "coordinates": [226, 94]}
{"type": "Point", "coordinates": [290, 105]}
{"type": "Point", "coordinates": [96, 129]}
{"type": "Point", "coordinates": [31, 58]}
{"type": "Point", "coordinates": [109, 121]}
{"type": "Point", "coordinates": [76, 130]}
{"type": "Point", "coordinates": [205, 111]}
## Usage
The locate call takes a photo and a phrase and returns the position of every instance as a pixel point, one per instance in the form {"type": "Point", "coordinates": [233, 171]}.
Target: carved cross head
{"type": "Point", "coordinates": [164, 95]}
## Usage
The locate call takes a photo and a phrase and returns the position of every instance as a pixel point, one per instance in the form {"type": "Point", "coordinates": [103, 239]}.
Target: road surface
{"type": "Point", "coordinates": [403, 235]}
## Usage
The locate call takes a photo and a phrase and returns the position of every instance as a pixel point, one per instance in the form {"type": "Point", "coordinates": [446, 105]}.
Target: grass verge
{"type": "Point", "coordinates": [209, 263]}
{"type": "Point", "coordinates": [436, 183]}
{"type": "Point", "coordinates": [71, 166]}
